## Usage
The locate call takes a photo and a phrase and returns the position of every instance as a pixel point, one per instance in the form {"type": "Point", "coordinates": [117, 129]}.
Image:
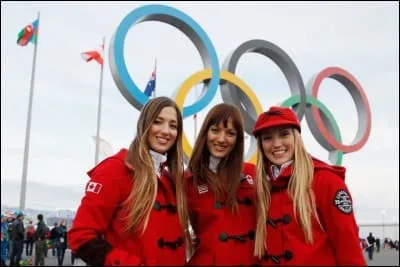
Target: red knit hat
{"type": "Point", "coordinates": [276, 116]}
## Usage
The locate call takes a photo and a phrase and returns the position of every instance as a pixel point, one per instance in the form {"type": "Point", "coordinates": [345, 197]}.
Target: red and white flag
{"type": "Point", "coordinates": [94, 187]}
{"type": "Point", "coordinates": [96, 55]}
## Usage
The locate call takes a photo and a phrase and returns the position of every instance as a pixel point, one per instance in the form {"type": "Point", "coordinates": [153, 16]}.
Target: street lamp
{"type": "Point", "coordinates": [383, 223]}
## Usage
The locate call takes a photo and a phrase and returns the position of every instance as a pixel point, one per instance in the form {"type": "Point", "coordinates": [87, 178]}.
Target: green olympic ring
{"type": "Point", "coordinates": [334, 155]}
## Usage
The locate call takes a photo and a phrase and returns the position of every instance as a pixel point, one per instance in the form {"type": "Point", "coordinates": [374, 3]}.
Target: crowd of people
{"type": "Point", "coordinates": [372, 244]}
{"type": "Point", "coordinates": [144, 206]}
{"type": "Point", "coordinates": [37, 238]}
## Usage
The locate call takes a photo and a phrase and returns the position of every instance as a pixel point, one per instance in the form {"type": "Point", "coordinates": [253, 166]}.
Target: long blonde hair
{"type": "Point", "coordinates": [225, 183]}
{"type": "Point", "coordinates": [299, 189]}
{"type": "Point", "coordinates": [144, 192]}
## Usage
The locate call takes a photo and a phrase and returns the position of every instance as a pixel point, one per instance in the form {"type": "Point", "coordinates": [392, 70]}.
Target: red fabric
{"type": "Point", "coordinates": [92, 55]}
{"type": "Point", "coordinates": [100, 213]}
{"type": "Point", "coordinates": [30, 230]}
{"type": "Point", "coordinates": [276, 116]}
{"type": "Point", "coordinates": [209, 222]}
{"type": "Point", "coordinates": [337, 244]}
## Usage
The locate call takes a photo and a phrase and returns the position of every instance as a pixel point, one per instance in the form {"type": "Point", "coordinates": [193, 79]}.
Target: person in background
{"type": "Point", "coordinates": [30, 238]}
{"type": "Point", "coordinates": [134, 210]}
{"type": "Point", "coordinates": [40, 241]}
{"type": "Point", "coordinates": [371, 244]}
{"type": "Point", "coordinates": [48, 242]}
{"type": "Point", "coordinates": [10, 221]}
{"type": "Point", "coordinates": [18, 235]}
{"type": "Point", "coordinates": [396, 244]}
{"type": "Point", "coordinates": [378, 245]}
{"type": "Point", "coordinates": [305, 210]}
{"type": "Point", "coordinates": [54, 236]}
{"type": "Point", "coordinates": [62, 242]}
{"type": "Point", "coordinates": [4, 239]}
{"type": "Point", "coordinates": [221, 191]}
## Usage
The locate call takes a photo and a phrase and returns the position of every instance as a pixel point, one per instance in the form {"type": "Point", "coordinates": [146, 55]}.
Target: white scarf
{"type": "Point", "coordinates": [213, 165]}
{"type": "Point", "coordinates": [276, 170]}
{"type": "Point", "coordinates": [158, 160]}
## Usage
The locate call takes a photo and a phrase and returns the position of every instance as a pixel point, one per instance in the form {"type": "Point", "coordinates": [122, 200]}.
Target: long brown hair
{"type": "Point", "coordinates": [299, 189]}
{"type": "Point", "coordinates": [229, 169]}
{"type": "Point", "coordinates": [142, 197]}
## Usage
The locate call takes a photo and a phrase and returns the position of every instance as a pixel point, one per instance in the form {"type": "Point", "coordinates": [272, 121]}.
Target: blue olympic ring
{"type": "Point", "coordinates": [183, 22]}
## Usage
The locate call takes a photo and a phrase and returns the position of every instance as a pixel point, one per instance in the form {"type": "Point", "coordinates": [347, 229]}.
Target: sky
{"type": "Point", "coordinates": [362, 38]}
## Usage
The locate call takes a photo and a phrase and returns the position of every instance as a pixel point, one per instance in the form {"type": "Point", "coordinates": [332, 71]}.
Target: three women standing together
{"type": "Point", "coordinates": [289, 209]}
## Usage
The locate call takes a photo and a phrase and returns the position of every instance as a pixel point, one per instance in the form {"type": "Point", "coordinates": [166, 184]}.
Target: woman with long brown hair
{"type": "Point", "coordinates": [221, 192]}
{"type": "Point", "coordinates": [304, 208]}
{"type": "Point", "coordinates": [134, 209]}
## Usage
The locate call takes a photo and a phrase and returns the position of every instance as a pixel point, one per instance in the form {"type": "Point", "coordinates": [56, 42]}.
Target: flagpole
{"type": "Point", "coordinates": [96, 158]}
{"type": "Point", "coordinates": [195, 118]}
{"type": "Point", "coordinates": [155, 70]}
{"type": "Point", "coordinates": [28, 124]}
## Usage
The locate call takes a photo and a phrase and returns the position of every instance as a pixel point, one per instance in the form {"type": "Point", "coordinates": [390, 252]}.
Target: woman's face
{"type": "Point", "coordinates": [164, 130]}
{"type": "Point", "coordinates": [221, 140]}
{"type": "Point", "coordinates": [278, 144]}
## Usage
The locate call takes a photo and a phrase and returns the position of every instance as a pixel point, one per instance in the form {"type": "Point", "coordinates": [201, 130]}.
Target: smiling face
{"type": "Point", "coordinates": [220, 139]}
{"type": "Point", "coordinates": [163, 131]}
{"type": "Point", "coordinates": [278, 144]}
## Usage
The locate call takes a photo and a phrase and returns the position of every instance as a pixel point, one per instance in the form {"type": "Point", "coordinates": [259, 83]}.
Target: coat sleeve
{"type": "Point", "coordinates": [335, 210]}
{"type": "Point", "coordinates": [103, 195]}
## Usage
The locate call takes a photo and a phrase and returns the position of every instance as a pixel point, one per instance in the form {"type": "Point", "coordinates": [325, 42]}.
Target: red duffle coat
{"type": "Point", "coordinates": [336, 244]}
{"type": "Point", "coordinates": [224, 238]}
{"type": "Point", "coordinates": [100, 216]}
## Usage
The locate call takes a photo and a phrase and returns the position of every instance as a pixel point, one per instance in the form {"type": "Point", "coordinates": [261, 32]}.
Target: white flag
{"type": "Point", "coordinates": [105, 148]}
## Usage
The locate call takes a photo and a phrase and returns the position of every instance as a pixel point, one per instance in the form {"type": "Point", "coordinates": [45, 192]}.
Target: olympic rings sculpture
{"type": "Point", "coordinates": [303, 99]}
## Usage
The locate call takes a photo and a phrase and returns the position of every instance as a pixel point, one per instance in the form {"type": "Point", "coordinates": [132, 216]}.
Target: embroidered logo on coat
{"type": "Point", "coordinates": [342, 202]}
{"type": "Point", "coordinates": [94, 187]}
{"type": "Point", "coordinates": [203, 188]}
{"type": "Point", "coordinates": [247, 178]}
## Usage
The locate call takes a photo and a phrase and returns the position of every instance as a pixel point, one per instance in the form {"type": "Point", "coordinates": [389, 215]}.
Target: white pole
{"type": "Point", "coordinates": [28, 124]}
{"type": "Point", "coordinates": [96, 158]}
{"type": "Point", "coordinates": [383, 224]}
{"type": "Point", "coordinates": [155, 81]}
{"type": "Point", "coordinates": [195, 118]}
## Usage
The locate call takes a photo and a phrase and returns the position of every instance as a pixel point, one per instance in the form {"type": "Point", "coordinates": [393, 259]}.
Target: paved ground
{"type": "Point", "coordinates": [386, 257]}
{"type": "Point", "coordinates": [52, 261]}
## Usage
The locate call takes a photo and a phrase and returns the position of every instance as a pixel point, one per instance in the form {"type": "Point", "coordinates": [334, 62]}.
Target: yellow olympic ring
{"type": "Point", "coordinates": [204, 75]}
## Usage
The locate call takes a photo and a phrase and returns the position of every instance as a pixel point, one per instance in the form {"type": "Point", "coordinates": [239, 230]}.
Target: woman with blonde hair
{"type": "Point", "coordinates": [221, 192]}
{"type": "Point", "coordinates": [134, 211]}
{"type": "Point", "coordinates": [304, 208]}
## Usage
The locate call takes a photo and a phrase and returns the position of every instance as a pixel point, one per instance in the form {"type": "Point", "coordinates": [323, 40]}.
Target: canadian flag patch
{"type": "Point", "coordinates": [94, 187]}
{"type": "Point", "coordinates": [203, 188]}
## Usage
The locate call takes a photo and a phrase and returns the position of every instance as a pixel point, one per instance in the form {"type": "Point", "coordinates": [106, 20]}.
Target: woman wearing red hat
{"type": "Point", "coordinates": [221, 192]}
{"type": "Point", "coordinates": [305, 213]}
{"type": "Point", "coordinates": [133, 211]}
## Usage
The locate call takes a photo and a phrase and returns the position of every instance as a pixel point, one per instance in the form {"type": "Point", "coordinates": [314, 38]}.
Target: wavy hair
{"type": "Point", "coordinates": [225, 182]}
{"type": "Point", "coordinates": [299, 189]}
{"type": "Point", "coordinates": [144, 192]}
